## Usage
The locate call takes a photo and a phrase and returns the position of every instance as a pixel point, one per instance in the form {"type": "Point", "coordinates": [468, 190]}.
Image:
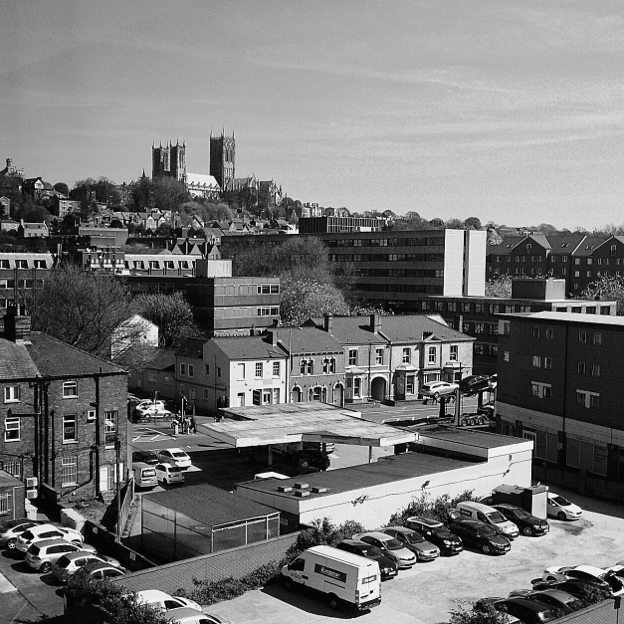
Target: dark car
{"type": "Point", "coordinates": [578, 588]}
{"type": "Point", "coordinates": [147, 457]}
{"type": "Point", "coordinates": [528, 524]}
{"type": "Point", "coordinates": [436, 533]}
{"type": "Point", "coordinates": [480, 536]}
{"type": "Point", "coordinates": [474, 383]}
{"type": "Point", "coordinates": [556, 598]}
{"type": "Point", "coordinates": [526, 610]}
{"type": "Point", "coordinates": [387, 567]}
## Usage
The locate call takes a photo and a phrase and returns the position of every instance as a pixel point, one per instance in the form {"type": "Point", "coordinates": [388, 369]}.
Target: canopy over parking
{"type": "Point", "coordinates": [302, 422]}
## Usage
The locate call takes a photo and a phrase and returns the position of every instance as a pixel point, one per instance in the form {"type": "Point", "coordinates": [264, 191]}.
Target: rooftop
{"type": "Point", "coordinates": [570, 317]}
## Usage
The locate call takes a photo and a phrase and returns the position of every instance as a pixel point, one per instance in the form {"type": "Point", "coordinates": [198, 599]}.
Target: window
{"type": "Point", "coordinates": [21, 264]}
{"type": "Point", "coordinates": [310, 366]}
{"type": "Point", "coordinates": [276, 396]}
{"type": "Point", "coordinates": [40, 264]}
{"type": "Point", "coordinates": [582, 337]}
{"type": "Point", "coordinates": [379, 353]}
{"type": "Point", "coordinates": [407, 355]}
{"type": "Point", "coordinates": [11, 394]}
{"type": "Point", "coordinates": [276, 369]}
{"type": "Point", "coordinates": [207, 369]}
{"type": "Point", "coordinates": [453, 355]}
{"type": "Point", "coordinates": [540, 390]}
{"type": "Point", "coordinates": [4, 264]}
{"type": "Point", "coordinates": [240, 370]}
{"type": "Point", "coordinates": [547, 362]}
{"type": "Point", "coordinates": [595, 370]}
{"type": "Point", "coordinates": [581, 368]}
{"type": "Point", "coordinates": [218, 371]}
{"type": "Point", "coordinates": [505, 356]}
{"type": "Point", "coordinates": [479, 328]}
{"type": "Point", "coordinates": [182, 369]}
{"type": "Point", "coordinates": [266, 396]}
{"type": "Point", "coordinates": [357, 386]}
{"type": "Point", "coordinates": [70, 389]}
{"type": "Point", "coordinates": [110, 426]}
{"type": "Point", "coordinates": [353, 357]}
{"type": "Point", "coordinates": [589, 400]}
{"type": "Point", "coordinates": [597, 338]}
{"type": "Point", "coordinates": [191, 370]}
{"type": "Point", "coordinates": [550, 333]}
{"type": "Point", "coordinates": [302, 366]}
{"type": "Point", "coordinates": [70, 433]}
{"type": "Point", "coordinates": [536, 361]}
{"type": "Point", "coordinates": [259, 369]}
{"type": "Point", "coordinates": [12, 429]}
{"type": "Point", "coordinates": [535, 331]}
{"type": "Point", "coordinates": [432, 355]}
{"type": "Point", "coordinates": [69, 471]}
{"type": "Point", "coordinates": [409, 384]}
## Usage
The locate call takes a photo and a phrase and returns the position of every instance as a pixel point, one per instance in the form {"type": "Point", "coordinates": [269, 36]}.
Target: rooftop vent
{"type": "Point", "coordinates": [319, 490]}
{"type": "Point", "coordinates": [302, 494]}
{"type": "Point", "coordinates": [302, 486]}
{"type": "Point", "coordinates": [284, 488]}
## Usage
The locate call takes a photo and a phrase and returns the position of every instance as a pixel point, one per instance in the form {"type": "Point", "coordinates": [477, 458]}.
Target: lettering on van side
{"type": "Point", "coordinates": [335, 574]}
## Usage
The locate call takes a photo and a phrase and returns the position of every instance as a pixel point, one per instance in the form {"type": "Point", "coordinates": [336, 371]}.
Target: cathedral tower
{"type": "Point", "coordinates": [222, 158]}
{"type": "Point", "coordinates": [169, 161]}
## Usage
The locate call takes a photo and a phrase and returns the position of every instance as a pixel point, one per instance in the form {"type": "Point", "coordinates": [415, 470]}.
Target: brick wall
{"type": "Point", "coordinates": [236, 563]}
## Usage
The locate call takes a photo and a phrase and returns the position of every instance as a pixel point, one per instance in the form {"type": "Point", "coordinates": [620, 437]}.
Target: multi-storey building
{"type": "Point", "coordinates": [63, 414]}
{"type": "Point", "coordinates": [559, 380]}
{"type": "Point", "coordinates": [332, 224]}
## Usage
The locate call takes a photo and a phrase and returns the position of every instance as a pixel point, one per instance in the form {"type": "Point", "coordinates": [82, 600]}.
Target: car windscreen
{"type": "Point", "coordinates": [34, 550]}
{"type": "Point", "coordinates": [393, 544]}
{"type": "Point", "coordinates": [521, 514]}
{"type": "Point", "coordinates": [561, 501]}
{"type": "Point", "coordinates": [173, 469]}
{"type": "Point", "coordinates": [487, 531]}
{"type": "Point", "coordinates": [63, 561]}
{"type": "Point", "coordinates": [496, 517]}
{"type": "Point", "coordinates": [414, 538]}
{"type": "Point", "coordinates": [180, 454]}
{"type": "Point", "coordinates": [372, 552]}
{"type": "Point", "coordinates": [442, 532]}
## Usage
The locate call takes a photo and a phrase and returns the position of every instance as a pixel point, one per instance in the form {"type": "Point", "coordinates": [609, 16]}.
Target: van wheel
{"type": "Point", "coordinates": [288, 584]}
{"type": "Point", "coordinates": [333, 602]}
{"type": "Point", "coordinates": [528, 531]}
{"type": "Point", "coordinates": [45, 567]}
{"type": "Point", "coordinates": [486, 549]}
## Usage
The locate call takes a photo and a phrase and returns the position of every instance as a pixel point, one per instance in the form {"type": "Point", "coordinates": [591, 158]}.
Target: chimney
{"type": "Point", "coordinates": [327, 323]}
{"type": "Point", "coordinates": [375, 323]}
{"type": "Point", "coordinates": [272, 336]}
{"type": "Point", "coordinates": [16, 326]}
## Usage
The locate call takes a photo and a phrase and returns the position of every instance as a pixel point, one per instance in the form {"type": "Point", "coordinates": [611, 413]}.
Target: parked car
{"type": "Point", "coordinates": [528, 524]}
{"type": "Point", "coordinates": [578, 588]}
{"type": "Point", "coordinates": [175, 457]}
{"type": "Point", "coordinates": [164, 601]}
{"type": "Point", "coordinates": [388, 568]}
{"type": "Point", "coordinates": [436, 533]}
{"type": "Point", "coordinates": [561, 508]}
{"type": "Point", "coordinates": [43, 553]}
{"type": "Point", "coordinates": [389, 546]}
{"type": "Point", "coordinates": [11, 530]}
{"type": "Point", "coordinates": [555, 598]}
{"type": "Point", "coordinates": [474, 383]}
{"type": "Point", "coordinates": [188, 615]}
{"type": "Point", "coordinates": [587, 573]}
{"type": "Point", "coordinates": [166, 473]}
{"type": "Point", "coordinates": [70, 563]}
{"type": "Point", "coordinates": [47, 531]}
{"type": "Point", "coordinates": [99, 570]}
{"type": "Point", "coordinates": [472, 510]}
{"type": "Point", "coordinates": [147, 457]}
{"type": "Point", "coordinates": [152, 409]}
{"type": "Point", "coordinates": [480, 535]}
{"type": "Point", "coordinates": [526, 610]}
{"type": "Point", "coordinates": [414, 541]}
{"type": "Point", "coordinates": [436, 389]}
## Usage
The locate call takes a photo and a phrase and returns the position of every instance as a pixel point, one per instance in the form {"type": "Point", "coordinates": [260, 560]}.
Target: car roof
{"type": "Point", "coordinates": [173, 449]}
{"type": "Point", "coordinates": [430, 522]}
{"type": "Point", "coordinates": [477, 524]}
{"type": "Point", "coordinates": [97, 565]}
{"type": "Point", "coordinates": [81, 553]}
{"type": "Point", "coordinates": [380, 535]}
{"type": "Point", "coordinates": [508, 506]}
{"type": "Point", "coordinates": [399, 529]}
{"type": "Point", "coordinates": [589, 569]}
{"type": "Point", "coordinates": [153, 594]}
{"type": "Point", "coordinates": [52, 542]}
{"type": "Point", "coordinates": [529, 604]}
{"type": "Point", "coordinates": [564, 596]}
{"type": "Point", "coordinates": [182, 612]}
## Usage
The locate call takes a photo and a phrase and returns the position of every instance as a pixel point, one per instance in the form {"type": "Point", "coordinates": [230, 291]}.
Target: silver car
{"type": "Point", "coordinates": [11, 530]}
{"type": "Point", "coordinates": [414, 541]}
{"type": "Point", "coordinates": [43, 553]}
{"type": "Point", "coordinates": [390, 546]}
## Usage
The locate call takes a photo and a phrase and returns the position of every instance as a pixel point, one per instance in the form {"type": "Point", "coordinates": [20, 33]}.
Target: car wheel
{"type": "Point", "coordinates": [528, 531]}
{"type": "Point", "coordinates": [333, 602]}
{"type": "Point", "coordinates": [11, 544]}
{"type": "Point", "coordinates": [436, 396]}
{"type": "Point", "coordinates": [288, 584]}
{"type": "Point", "coordinates": [45, 567]}
{"type": "Point", "coordinates": [486, 549]}
{"type": "Point", "coordinates": [561, 515]}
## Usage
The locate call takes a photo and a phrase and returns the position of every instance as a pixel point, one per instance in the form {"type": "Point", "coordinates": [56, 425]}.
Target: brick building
{"type": "Point", "coordinates": [63, 414]}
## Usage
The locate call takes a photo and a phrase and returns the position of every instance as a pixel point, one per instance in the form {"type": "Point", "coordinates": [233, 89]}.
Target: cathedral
{"type": "Point", "coordinates": [169, 161]}
{"type": "Point", "coordinates": [222, 158]}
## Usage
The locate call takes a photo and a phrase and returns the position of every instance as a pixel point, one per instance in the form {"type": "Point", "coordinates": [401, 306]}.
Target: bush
{"type": "Point", "coordinates": [438, 508]}
{"type": "Point", "coordinates": [486, 614]}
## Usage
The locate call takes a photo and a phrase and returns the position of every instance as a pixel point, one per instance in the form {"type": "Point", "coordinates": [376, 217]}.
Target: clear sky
{"type": "Point", "coordinates": [510, 111]}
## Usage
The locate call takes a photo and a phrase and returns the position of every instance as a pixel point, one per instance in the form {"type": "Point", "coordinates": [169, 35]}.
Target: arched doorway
{"type": "Point", "coordinates": [378, 389]}
{"type": "Point", "coordinates": [338, 395]}
{"type": "Point", "coordinates": [296, 396]}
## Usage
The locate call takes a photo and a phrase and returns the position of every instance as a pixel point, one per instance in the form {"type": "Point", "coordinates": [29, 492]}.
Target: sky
{"type": "Point", "coordinates": [510, 111]}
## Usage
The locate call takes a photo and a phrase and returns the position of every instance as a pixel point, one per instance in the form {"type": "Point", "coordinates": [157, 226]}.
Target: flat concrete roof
{"type": "Point", "coordinates": [302, 422]}
{"type": "Point", "coordinates": [570, 317]}
{"type": "Point", "coordinates": [472, 438]}
{"type": "Point", "coordinates": [386, 471]}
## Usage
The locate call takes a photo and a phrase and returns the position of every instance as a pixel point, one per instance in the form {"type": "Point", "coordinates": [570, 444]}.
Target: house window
{"type": "Point", "coordinates": [582, 337]}
{"type": "Point", "coordinates": [70, 432]}
{"type": "Point", "coordinates": [407, 353]}
{"type": "Point", "coordinates": [302, 366]}
{"type": "Point", "coordinates": [357, 386]}
{"type": "Point", "coordinates": [276, 369]}
{"type": "Point", "coordinates": [353, 353]}
{"type": "Point", "coordinates": [379, 353]}
{"type": "Point", "coordinates": [12, 429]}
{"type": "Point", "coordinates": [505, 356]}
{"type": "Point", "coordinates": [537, 361]}
{"type": "Point", "coordinates": [11, 394]}
{"type": "Point", "coordinates": [110, 426]}
{"type": "Point", "coordinates": [207, 369]}
{"type": "Point", "coordinates": [535, 331]}
{"type": "Point", "coordinates": [595, 370]}
{"type": "Point", "coordinates": [540, 390]}
{"type": "Point", "coordinates": [479, 328]}
{"type": "Point", "coordinates": [259, 369]}
{"type": "Point", "coordinates": [40, 264]}
{"type": "Point", "coordinates": [69, 471]}
{"type": "Point", "coordinates": [597, 338]}
{"type": "Point", "coordinates": [550, 333]}
{"type": "Point", "coordinates": [182, 369]}
{"type": "Point", "coordinates": [325, 365]}
{"type": "Point", "coordinates": [276, 396]}
{"type": "Point", "coordinates": [409, 384]}
{"type": "Point", "coordinates": [4, 264]}
{"type": "Point", "coordinates": [191, 370]}
{"type": "Point", "coordinates": [70, 389]}
{"type": "Point", "coordinates": [21, 264]}
{"type": "Point", "coordinates": [453, 355]}
{"type": "Point", "coordinates": [241, 371]}
{"type": "Point", "coordinates": [432, 355]}
{"type": "Point", "coordinates": [589, 400]}
{"type": "Point", "coordinates": [266, 396]}
{"type": "Point", "coordinates": [310, 366]}
{"type": "Point", "coordinates": [548, 362]}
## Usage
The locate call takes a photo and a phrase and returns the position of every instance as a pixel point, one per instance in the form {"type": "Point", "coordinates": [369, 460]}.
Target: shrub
{"type": "Point", "coordinates": [485, 614]}
{"type": "Point", "coordinates": [437, 508]}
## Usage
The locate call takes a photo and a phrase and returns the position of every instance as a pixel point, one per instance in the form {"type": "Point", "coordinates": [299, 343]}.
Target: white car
{"type": "Point", "coordinates": [175, 457]}
{"type": "Point", "coordinates": [437, 389]}
{"type": "Point", "coordinates": [187, 615]}
{"type": "Point", "coordinates": [164, 601]}
{"type": "Point", "coordinates": [152, 409]}
{"type": "Point", "coordinates": [561, 508]}
{"type": "Point", "coordinates": [166, 473]}
{"type": "Point", "coordinates": [588, 573]}
{"type": "Point", "coordinates": [42, 554]}
{"type": "Point", "coordinates": [46, 532]}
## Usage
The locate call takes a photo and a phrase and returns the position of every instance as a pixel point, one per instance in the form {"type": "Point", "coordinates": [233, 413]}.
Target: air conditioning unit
{"type": "Point", "coordinates": [32, 493]}
{"type": "Point", "coordinates": [32, 482]}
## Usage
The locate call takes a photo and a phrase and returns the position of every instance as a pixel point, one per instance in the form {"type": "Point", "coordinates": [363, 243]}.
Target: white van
{"type": "Point", "coordinates": [489, 515]}
{"type": "Point", "coordinates": [144, 475]}
{"type": "Point", "coordinates": [344, 578]}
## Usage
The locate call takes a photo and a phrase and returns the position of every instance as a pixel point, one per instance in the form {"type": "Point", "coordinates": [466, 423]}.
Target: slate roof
{"type": "Point", "coordinates": [154, 358]}
{"type": "Point", "coordinates": [506, 246]}
{"type": "Point", "coordinates": [589, 245]}
{"type": "Point", "coordinates": [15, 362]}
{"type": "Point", "coordinates": [192, 347]}
{"type": "Point", "coordinates": [210, 505]}
{"type": "Point", "coordinates": [309, 340]}
{"type": "Point", "coordinates": [353, 330]}
{"type": "Point", "coordinates": [415, 327]}
{"type": "Point", "coordinates": [248, 347]}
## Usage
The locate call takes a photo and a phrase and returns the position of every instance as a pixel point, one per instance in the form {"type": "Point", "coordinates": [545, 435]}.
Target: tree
{"type": "Point", "coordinates": [302, 299]}
{"type": "Point", "coordinates": [455, 224]}
{"type": "Point", "coordinates": [81, 308]}
{"type": "Point", "coordinates": [485, 614]}
{"type": "Point", "coordinates": [499, 286]}
{"type": "Point", "coordinates": [473, 223]}
{"type": "Point", "coordinates": [61, 187]}
{"type": "Point", "coordinates": [171, 313]}
{"type": "Point", "coordinates": [169, 193]}
{"type": "Point", "coordinates": [607, 288]}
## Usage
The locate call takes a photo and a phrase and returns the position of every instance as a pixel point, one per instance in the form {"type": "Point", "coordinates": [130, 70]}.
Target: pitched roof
{"type": "Point", "coordinates": [222, 508]}
{"type": "Point", "coordinates": [248, 347]}
{"type": "Point", "coordinates": [417, 327]}
{"type": "Point", "coordinates": [352, 330]}
{"type": "Point", "coordinates": [15, 361]}
{"type": "Point", "coordinates": [192, 347]}
{"type": "Point", "coordinates": [589, 245]}
{"type": "Point", "coordinates": [506, 246]}
{"type": "Point", "coordinates": [308, 340]}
